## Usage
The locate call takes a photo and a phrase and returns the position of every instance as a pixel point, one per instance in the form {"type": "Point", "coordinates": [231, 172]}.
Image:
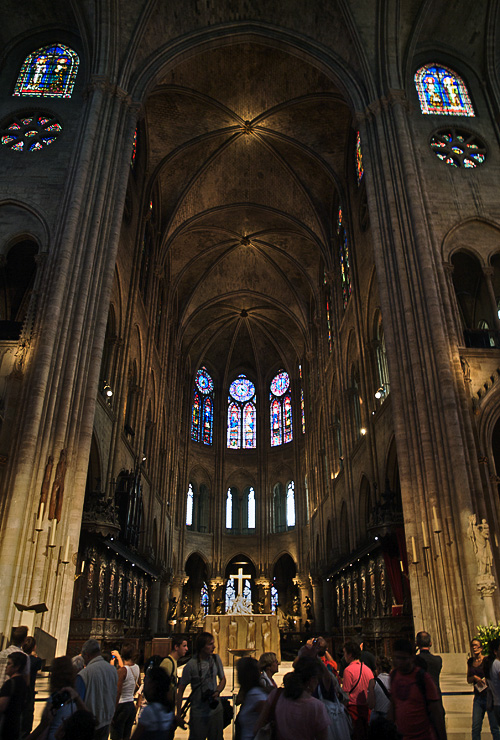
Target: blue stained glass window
{"type": "Point", "coordinates": [241, 414]}
{"type": "Point", "coordinates": [230, 594]}
{"type": "Point", "coordinates": [49, 72]}
{"type": "Point", "coordinates": [205, 600]}
{"type": "Point", "coordinates": [274, 599]}
{"type": "Point", "coordinates": [345, 268]}
{"type": "Point", "coordinates": [247, 591]}
{"type": "Point", "coordinates": [441, 91]}
{"type": "Point", "coordinates": [202, 410]}
{"type": "Point", "coordinates": [280, 409]}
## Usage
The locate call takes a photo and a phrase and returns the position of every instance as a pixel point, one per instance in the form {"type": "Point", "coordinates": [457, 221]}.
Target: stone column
{"type": "Point", "coordinates": [164, 604]}
{"type": "Point", "coordinates": [154, 606]}
{"type": "Point", "coordinates": [328, 596]}
{"type": "Point", "coordinates": [488, 273]}
{"type": "Point", "coordinates": [317, 590]}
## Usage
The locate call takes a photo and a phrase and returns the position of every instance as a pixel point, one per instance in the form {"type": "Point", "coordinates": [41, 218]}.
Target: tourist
{"type": "Point", "coordinates": [355, 681]}
{"type": "Point", "coordinates": [63, 701]}
{"type": "Point", "coordinates": [476, 677]}
{"type": "Point", "coordinates": [13, 694]}
{"type": "Point", "coordinates": [35, 663]}
{"type": "Point", "coordinates": [296, 712]}
{"type": "Point", "coordinates": [80, 726]}
{"type": "Point", "coordinates": [251, 695]}
{"type": "Point", "coordinates": [19, 635]}
{"type": "Point", "coordinates": [128, 678]}
{"type": "Point", "coordinates": [415, 700]}
{"type": "Point", "coordinates": [425, 659]}
{"type": "Point", "coordinates": [169, 665]}
{"type": "Point", "coordinates": [268, 664]}
{"type": "Point", "coordinates": [206, 675]}
{"type": "Point", "coordinates": [379, 689]}
{"type": "Point", "coordinates": [157, 717]}
{"type": "Point", "coordinates": [492, 673]}
{"type": "Point", "coordinates": [96, 685]}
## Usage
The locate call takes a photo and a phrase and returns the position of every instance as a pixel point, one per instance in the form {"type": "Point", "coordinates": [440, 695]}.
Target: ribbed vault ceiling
{"type": "Point", "coordinates": [248, 150]}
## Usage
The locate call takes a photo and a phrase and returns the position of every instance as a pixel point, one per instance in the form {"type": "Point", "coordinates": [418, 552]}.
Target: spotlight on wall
{"type": "Point", "coordinates": [362, 431]}
{"type": "Point", "coordinates": [144, 458]}
{"type": "Point", "coordinates": [107, 390]}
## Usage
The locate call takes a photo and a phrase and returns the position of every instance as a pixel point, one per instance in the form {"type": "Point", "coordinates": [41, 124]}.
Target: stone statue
{"type": "Point", "coordinates": [232, 635]}
{"type": "Point", "coordinates": [251, 627]}
{"type": "Point", "coordinates": [296, 605]}
{"type": "Point", "coordinates": [241, 605]}
{"type": "Point", "coordinates": [266, 635]}
{"type": "Point", "coordinates": [308, 608]}
{"type": "Point", "coordinates": [215, 632]}
{"type": "Point", "coordinates": [172, 608]}
{"type": "Point", "coordinates": [479, 535]}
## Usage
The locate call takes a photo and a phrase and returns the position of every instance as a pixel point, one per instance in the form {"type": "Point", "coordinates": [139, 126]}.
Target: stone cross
{"type": "Point", "coordinates": [240, 578]}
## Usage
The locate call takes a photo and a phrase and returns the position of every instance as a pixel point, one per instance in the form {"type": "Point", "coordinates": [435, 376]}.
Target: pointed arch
{"type": "Point", "coordinates": [48, 72]}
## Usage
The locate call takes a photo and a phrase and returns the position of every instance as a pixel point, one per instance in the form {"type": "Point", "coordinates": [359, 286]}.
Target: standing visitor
{"type": "Point", "coordinates": [157, 717]}
{"type": "Point", "coordinates": [416, 703]}
{"type": "Point", "coordinates": [252, 697]}
{"type": "Point", "coordinates": [97, 684]}
{"type": "Point", "coordinates": [13, 694]}
{"type": "Point", "coordinates": [35, 664]}
{"type": "Point", "coordinates": [355, 681]}
{"type": "Point", "coordinates": [425, 659]}
{"type": "Point", "coordinates": [63, 701]}
{"type": "Point", "coordinates": [206, 675]}
{"type": "Point", "coordinates": [492, 673]}
{"type": "Point", "coordinates": [476, 677]}
{"type": "Point", "coordinates": [268, 664]}
{"type": "Point", "coordinates": [379, 689]}
{"type": "Point", "coordinates": [19, 635]}
{"type": "Point", "coordinates": [169, 665]}
{"type": "Point", "coordinates": [128, 678]}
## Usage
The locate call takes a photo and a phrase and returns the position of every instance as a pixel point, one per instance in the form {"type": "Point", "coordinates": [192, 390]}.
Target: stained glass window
{"type": "Point", "coordinates": [30, 133]}
{"type": "Point", "coordinates": [359, 159]}
{"type": "Point", "coordinates": [229, 509]}
{"type": "Point", "coordinates": [441, 91]}
{"type": "Point", "coordinates": [280, 409]}
{"type": "Point", "coordinates": [303, 410]}
{"type": "Point", "coordinates": [134, 150]}
{"type": "Point", "coordinates": [241, 415]}
{"type": "Point", "coordinates": [230, 594]}
{"type": "Point", "coordinates": [251, 509]}
{"type": "Point", "coordinates": [458, 148]}
{"type": "Point", "coordinates": [189, 506]}
{"type": "Point", "coordinates": [274, 599]}
{"type": "Point", "coordinates": [290, 504]}
{"type": "Point", "coordinates": [329, 327]}
{"type": "Point", "coordinates": [49, 72]}
{"type": "Point", "coordinates": [204, 599]}
{"type": "Point", "coordinates": [202, 410]}
{"type": "Point", "coordinates": [247, 591]}
{"type": "Point", "coordinates": [345, 269]}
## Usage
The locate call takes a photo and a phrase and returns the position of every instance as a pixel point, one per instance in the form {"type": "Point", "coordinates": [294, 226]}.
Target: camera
{"type": "Point", "coordinates": [59, 698]}
{"type": "Point", "coordinates": [208, 696]}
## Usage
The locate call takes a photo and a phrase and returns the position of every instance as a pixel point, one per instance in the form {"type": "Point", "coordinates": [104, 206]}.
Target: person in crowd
{"type": "Point", "coordinates": [206, 675]}
{"type": "Point", "coordinates": [325, 656]}
{"type": "Point", "coordinates": [63, 701]}
{"type": "Point", "coordinates": [169, 664]}
{"type": "Point", "coordinates": [13, 694]}
{"type": "Point", "coordinates": [35, 663]}
{"type": "Point", "coordinates": [78, 663]}
{"type": "Point", "coordinates": [97, 686]}
{"type": "Point", "coordinates": [80, 726]}
{"type": "Point", "coordinates": [379, 690]}
{"type": "Point", "coordinates": [251, 695]}
{"type": "Point", "coordinates": [18, 636]}
{"type": "Point", "coordinates": [157, 717]}
{"type": "Point", "coordinates": [365, 657]}
{"type": "Point", "coordinates": [415, 702]}
{"type": "Point", "coordinates": [296, 712]}
{"type": "Point", "coordinates": [492, 673]}
{"type": "Point", "coordinates": [425, 659]}
{"type": "Point", "coordinates": [128, 679]}
{"type": "Point", "coordinates": [268, 664]}
{"type": "Point", "coordinates": [476, 677]}
{"type": "Point", "coordinates": [355, 681]}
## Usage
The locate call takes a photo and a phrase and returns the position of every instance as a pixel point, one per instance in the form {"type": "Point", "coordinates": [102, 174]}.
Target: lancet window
{"type": "Point", "coordinates": [359, 159]}
{"type": "Point", "coordinates": [241, 415]}
{"type": "Point", "coordinates": [280, 407]}
{"type": "Point", "coordinates": [241, 511]}
{"type": "Point", "coordinates": [48, 72]}
{"type": "Point", "coordinates": [441, 91]}
{"type": "Point", "coordinates": [345, 269]}
{"type": "Point", "coordinates": [202, 409]}
{"type": "Point", "coordinates": [284, 507]}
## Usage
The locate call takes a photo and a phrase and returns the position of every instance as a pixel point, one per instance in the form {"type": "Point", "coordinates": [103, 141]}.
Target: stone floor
{"type": "Point", "coordinates": [457, 699]}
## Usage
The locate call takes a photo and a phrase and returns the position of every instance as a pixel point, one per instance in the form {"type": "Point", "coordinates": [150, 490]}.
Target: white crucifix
{"type": "Point", "coordinates": [240, 578]}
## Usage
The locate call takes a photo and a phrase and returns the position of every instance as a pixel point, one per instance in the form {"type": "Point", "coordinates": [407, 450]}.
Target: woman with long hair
{"type": "Point", "coordinates": [268, 664]}
{"type": "Point", "coordinates": [157, 717]}
{"type": "Point", "coordinates": [63, 701]}
{"type": "Point", "coordinates": [296, 712]}
{"type": "Point", "coordinates": [251, 695]}
{"type": "Point", "coordinates": [128, 678]}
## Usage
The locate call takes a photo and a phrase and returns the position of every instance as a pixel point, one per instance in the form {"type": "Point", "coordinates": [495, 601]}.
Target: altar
{"type": "Point", "coordinates": [257, 632]}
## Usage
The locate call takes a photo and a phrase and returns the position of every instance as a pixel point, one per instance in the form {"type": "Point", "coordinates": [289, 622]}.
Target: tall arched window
{"type": "Point", "coordinates": [382, 366]}
{"type": "Point", "coordinates": [202, 410]}
{"type": "Point", "coordinates": [241, 511]}
{"type": "Point", "coordinates": [359, 159]}
{"type": "Point", "coordinates": [441, 91]}
{"type": "Point", "coordinates": [345, 269]}
{"type": "Point", "coordinates": [241, 414]}
{"type": "Point", "coordinates": [251, 509]}
{"type": "Point", "coordinates": [189, 506]}
{"type": "Point", "coordinates": [356, 406]}
{"type": "Point", "coordinates": [279, 508]}
{"type": "Point", "coordinates": [290, 504]}
{"type": "Point", "coordinates": [48, 72]}
{"type": "Point", "coordinates": [229, 509]}
{"type": "Point", "coordinates": [204, 599]}
{"type": "Point", "coordinates": [280, 401]}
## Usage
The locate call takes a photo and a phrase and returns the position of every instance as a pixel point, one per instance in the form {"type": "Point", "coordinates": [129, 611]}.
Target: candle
{"type": "Point", "coordinates": [424, 535]}
{"type": "Point", "coordinates": [414, 550]}
{"type": "Point", "coordinates": [65, 557]}
{"type": "Point", "coordinates": [39, 521]}
{"type": "Point", "coordinates": [52, 538]}
{"type": "Point", "coordinates": [437, 528]}
{"type": "Point", "coordinates": [83, 566]}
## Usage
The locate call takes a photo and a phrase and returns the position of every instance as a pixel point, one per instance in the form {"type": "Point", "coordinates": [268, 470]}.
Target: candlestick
{"type": "Point", "coordinates": [39, 521]}
{"type": "Point", "coordinates": [414, 550]}
{"type": "Point", "coordinates": [65, 557]}
{"type": "Point", "coordinates": [52, 538]}
{"type": "Point", "coordinates": [437, 528]}
{"type": "Point", "coordinates": [424, 536]}
{"type": "Point", "coordinates": [83, 566]}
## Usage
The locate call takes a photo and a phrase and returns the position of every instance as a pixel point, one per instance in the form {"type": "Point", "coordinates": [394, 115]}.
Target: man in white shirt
{"type": "Point", "coordinates": [19, 635]}
{"type": "Point", "coordinates": [97, 686]}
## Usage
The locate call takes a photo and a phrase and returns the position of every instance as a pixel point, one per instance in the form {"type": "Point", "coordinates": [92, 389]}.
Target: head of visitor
{"type": "Point", "coordinates": [16, 664]}
{"type": "Point", "coordinates": [128, 653]}
{"type": "Point", "coordinates": [403, 656]}
{"type": "Point", "coordinates": [62, 673]}
{"type": "Point", "coordinates": [204, 645]}
{"type": "Point", "coordinates": [352, 651]}
{"type": "Point", "coordinates": [248, 673]}
{"type": "Point", "coordinates": [29, 645]}
{"type": "Point", "coordinates": [268, 663]}
{"type": "Point", "coordinates": [303, 679]}
{"type": "Point", "coordinates": [476, 649]}
{"type": "Point", "coordinates": [90, 650]}
{"type": "Point", "coordinates": [423, 640]}
{"type": "Point", "coordinates": [179, 646]}
{"type": "Point", "coordinates": [382, 665]}
{"type": "Point", "coordinates": [18, 636]}
{"type": "Point", "coordinates": [79, 726]}
{"type": "Point", "coordinates": [156, 687]}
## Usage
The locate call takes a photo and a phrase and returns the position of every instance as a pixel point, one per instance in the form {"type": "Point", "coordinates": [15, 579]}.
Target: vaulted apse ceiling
{"type": "Point", "coordinates": [247, 146]}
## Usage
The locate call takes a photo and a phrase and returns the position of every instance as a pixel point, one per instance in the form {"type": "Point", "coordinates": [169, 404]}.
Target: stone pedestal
{"type": "Point", "coordinates": [236, 631]}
